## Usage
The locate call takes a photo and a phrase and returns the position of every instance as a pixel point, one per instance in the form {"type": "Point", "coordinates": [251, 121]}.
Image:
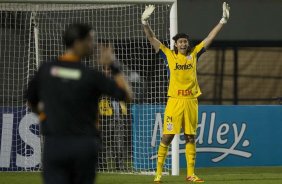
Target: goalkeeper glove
{"type": "Point", "coordinates": [225, 13]}
{"type": "Point", "coordinates": [147, 13]}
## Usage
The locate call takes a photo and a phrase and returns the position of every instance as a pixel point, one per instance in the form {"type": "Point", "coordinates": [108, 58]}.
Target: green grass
{"type": "Point", "coordinates": [246, 175]}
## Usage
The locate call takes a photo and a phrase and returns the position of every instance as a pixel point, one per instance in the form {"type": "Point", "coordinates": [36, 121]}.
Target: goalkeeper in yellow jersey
{"type": "Point", "coordinates": [182, 105]}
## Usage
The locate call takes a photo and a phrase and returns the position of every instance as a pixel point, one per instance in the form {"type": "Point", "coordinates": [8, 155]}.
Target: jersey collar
{"type": "Point", "coordinates": [68, 57]}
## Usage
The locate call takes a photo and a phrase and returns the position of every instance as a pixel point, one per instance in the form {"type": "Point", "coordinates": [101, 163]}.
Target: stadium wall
{"type": "Point", "coordinates": [227, 136]}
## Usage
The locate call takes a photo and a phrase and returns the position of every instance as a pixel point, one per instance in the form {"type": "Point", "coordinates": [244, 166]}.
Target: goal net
{"type": "Point", "coordinates": [31, 34]}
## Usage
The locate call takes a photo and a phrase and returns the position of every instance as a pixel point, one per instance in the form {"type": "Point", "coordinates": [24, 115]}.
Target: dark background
{"type": "Point", "coordinates": [250, 20]}
{"type": "Point", "coordinates": [243, 65]}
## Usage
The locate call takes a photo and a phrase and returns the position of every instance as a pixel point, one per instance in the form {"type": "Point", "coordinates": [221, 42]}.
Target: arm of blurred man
{"type": "Point", "coordinates": [107, 58]}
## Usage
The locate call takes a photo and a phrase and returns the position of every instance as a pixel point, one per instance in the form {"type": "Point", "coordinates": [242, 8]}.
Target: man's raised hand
{"type": "Point", "coordinates": [147, 13]}
{"type": "Point", "coordinates": [225, 13]}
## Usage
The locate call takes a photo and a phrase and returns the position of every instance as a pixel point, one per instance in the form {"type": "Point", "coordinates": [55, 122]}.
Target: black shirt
{"type": "Point", "coordinates": [70, 93]}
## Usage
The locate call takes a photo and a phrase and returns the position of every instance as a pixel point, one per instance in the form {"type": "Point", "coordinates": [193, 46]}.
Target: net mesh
{"type": "Point", "coordinates": [32, 34]}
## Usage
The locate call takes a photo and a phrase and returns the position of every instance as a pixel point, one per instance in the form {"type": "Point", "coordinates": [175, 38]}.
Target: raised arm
{"type": "Point", "coordinates": [225, 16]}
{"type": "Point", "coordinates": [148, 31]}
{"type": "Point", "coordinates": [123, 84]}
{"type": "Point", "coordinates": [107, 58]}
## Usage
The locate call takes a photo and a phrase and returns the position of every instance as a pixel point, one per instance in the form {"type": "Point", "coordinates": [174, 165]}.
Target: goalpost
{"type": "Point", "coordinates": [30, 33]}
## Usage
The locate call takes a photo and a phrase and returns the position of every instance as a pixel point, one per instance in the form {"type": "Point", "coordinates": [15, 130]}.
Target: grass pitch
{"type": "Point", "coordinates": [237, 175]}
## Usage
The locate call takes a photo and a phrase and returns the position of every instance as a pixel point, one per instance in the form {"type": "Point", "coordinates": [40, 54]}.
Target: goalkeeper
{"type": "Point", "coordinates": [182, 105]}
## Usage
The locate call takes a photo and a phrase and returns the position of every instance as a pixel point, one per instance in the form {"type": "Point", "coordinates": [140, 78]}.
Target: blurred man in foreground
{"type": "Point", "coordinates": [65, 93]}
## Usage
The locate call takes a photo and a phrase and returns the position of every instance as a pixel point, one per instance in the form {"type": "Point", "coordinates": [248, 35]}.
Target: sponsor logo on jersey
{"type": "Point", "coordinates": [187, 92]}
{"type": "Point", "coordinates": [183, 67]}
{"type": "Point", "coordinates": [65, 73]}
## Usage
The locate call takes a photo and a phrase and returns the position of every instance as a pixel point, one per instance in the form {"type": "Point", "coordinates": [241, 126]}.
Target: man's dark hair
{"type": "Point", "coordinates": [77, 31]}
{"type": "Point", "coordinates": [181, 35]}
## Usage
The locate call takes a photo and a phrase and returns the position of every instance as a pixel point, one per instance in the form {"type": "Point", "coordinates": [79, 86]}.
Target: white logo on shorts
{"type": "Point", "coordinates": [169, 126]}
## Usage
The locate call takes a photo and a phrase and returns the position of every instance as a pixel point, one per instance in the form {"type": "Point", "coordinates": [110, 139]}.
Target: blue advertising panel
{"type": "Point", "coordinates": [147, 127]}
{"type": "Point", "coordinates": [226, 136]}
{"type": "Point", "coordinates": [20, 147]}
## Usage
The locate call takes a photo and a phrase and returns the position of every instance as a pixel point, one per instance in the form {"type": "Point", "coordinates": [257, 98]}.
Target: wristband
{"type": "Point", "coordinates": [223, 20]}
{"type": "Point", "coordinates": [144, 22]}
{"type": "Point", "coordinates": [115, 69]}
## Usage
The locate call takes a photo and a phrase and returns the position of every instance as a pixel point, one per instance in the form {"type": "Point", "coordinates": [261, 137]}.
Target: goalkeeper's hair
{"type": "Point", "coordinates": [178, 36]}
{"type": "Point", "coordinates": [77, 31]}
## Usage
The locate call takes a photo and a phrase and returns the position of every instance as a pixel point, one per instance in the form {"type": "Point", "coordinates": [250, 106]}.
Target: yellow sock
{"type": "Point", "coordinates": [161, 157]}
{"type": "Point", "coordinates": [190, 158]}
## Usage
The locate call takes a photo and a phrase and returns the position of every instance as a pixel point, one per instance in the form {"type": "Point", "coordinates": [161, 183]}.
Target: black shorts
{"type": "Point", "coordinates": [70, 160]}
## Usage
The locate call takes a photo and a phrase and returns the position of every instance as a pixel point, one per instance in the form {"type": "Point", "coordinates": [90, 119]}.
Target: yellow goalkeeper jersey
{"type": "Point", "coordinates": [182, 71]}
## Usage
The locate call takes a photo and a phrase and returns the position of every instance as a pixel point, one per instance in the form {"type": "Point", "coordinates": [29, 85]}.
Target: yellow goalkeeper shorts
{"type": "Point", "coordinates": [181, 113]}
